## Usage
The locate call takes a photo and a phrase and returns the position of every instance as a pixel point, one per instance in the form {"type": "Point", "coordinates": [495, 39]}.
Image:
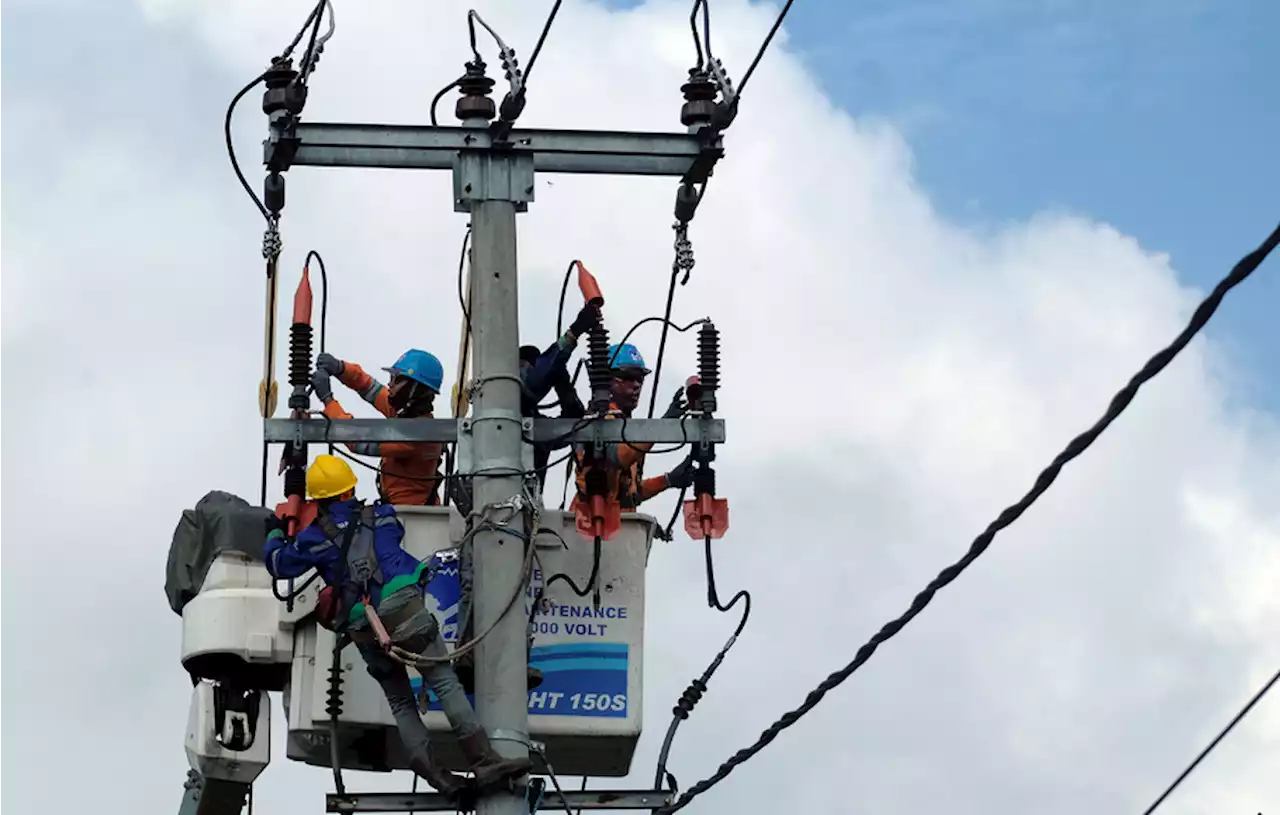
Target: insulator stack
{"type": "Point", "coordinates": [598, 369]}
{"type": "Point", "coordinates": [708, 366]}
{"type": "Point", "coordinates": [700, 100]}
{"type": "Point", "coordinates": [689, 699]}
{"type": "Point", "coordinates": [474, 103]}
{"type": "Point", "coordinates": [300, 345]}
{"type": "Point", "coordinates": [333, 697]}
{"type": "Point", "coordinates": [299, 354]}
{"type": "Point", "coordinates": [295, 481]}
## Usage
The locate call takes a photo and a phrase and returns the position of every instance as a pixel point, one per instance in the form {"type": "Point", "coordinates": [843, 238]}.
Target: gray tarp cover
{"type": "Point", "coordinates": [220, 521]}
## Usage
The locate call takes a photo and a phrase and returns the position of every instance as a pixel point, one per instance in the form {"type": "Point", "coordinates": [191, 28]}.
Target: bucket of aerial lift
{"type": "Point", "coordinates": [233, 627]}
{"type": "Point", "coordinates": [235, 630]}
{"type": "Point", "coordinates": [588, 709]}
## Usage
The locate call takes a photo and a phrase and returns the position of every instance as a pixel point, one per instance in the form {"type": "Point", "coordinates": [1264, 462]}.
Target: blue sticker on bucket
{"type": "Point", "coordinates": [579, 678]}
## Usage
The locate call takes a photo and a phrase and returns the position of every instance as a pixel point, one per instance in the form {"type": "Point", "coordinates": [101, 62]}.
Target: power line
{"type": "Point", "coordinates": [764, 46]}
{"type": "Point", "coordinates": [1006, 518]}
{"type": "Point", "coordinates": [537, 49]}
{"type": "Point", "coordinates": [1206, 751]}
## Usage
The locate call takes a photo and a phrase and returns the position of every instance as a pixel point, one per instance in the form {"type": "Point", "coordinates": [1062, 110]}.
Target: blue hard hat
{"type": "Point", "coordinates": [625, 356]}
{"type": "Point", "coordinates": [419, 366]}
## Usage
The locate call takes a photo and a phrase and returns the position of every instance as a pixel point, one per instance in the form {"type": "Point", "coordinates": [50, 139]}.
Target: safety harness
{"type": "Point", "coordinates": [360, 577]}
{"type": "Point", "coordinates": [358, 569]}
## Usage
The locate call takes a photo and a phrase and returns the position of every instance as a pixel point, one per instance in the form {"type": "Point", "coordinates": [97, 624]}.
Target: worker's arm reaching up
{"type": "Point", "coordinates": [309, 550]}
{"type": "Point", "coordinates": [355, 378]}
{"type": "Point", "coordinates": [373, 392]}
{"type": "Point", "coordinates": [552, 364]}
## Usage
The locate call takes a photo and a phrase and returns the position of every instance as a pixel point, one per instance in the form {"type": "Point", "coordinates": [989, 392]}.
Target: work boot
{"type": "Point", "coordinates": [442, 780]}
{"type": "Point", "coordinates": [465, 668]}
{"type": "Point", "coordinates": [489, 767]}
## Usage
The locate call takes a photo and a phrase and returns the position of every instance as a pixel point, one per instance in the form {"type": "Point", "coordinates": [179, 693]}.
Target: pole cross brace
{"type": "Point", "coordinates": [689, 156]}
{"type": "Point", "coordinates": [551, 801]}
{"type": "Point", "coordinates": [613, 431]}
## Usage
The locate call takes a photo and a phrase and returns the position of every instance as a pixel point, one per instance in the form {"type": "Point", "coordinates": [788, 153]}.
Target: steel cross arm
{"type": "Point", "coordinates": [553, 151]}
{"type": "Point", "coordinates": [612, 431]}
{"type": "Point", "coordinates": [435, 802]}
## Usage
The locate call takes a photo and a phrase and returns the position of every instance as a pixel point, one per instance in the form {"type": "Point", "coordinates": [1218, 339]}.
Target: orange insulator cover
{"type": "Point", "coordinates": [589, 287]}
{"type": "Point", "coordinates": [706, 516]}
{"type": "Point", "coordinates": [297, 512]}
{"type": "Point", "coordinates": [600, 518]}
{"type": "Point", "coordinates": [302, 299]}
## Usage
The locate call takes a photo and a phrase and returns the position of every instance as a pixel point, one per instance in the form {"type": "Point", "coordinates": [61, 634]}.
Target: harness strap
{"type": "Point", "coordinates": [390, 621]}
{"type": "Point", "coordinates": [358, 523]}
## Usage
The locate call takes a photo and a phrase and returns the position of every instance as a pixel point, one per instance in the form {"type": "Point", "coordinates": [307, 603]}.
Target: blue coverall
{"type": "Point", "coordinates": [400, 596]}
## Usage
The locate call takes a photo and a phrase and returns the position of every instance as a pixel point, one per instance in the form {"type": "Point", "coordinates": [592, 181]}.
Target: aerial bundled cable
{"type": "Point", "coordinates": [1078, 445]}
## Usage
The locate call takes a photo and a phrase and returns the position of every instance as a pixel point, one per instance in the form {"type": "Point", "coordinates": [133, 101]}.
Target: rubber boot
{"type": "Point", "coordinates": [489, 767]}
{"type": "Point", "coordinates": [443, 781]}
{"type": "Point", "coordinates": [465, 668]}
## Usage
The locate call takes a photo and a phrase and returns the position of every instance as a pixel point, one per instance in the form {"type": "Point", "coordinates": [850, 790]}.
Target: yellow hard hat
{"type": "Point", "coordinates": [329, 476]}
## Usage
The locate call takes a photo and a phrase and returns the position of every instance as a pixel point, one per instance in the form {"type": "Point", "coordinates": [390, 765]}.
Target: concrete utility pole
{"type": "Point", "coordinates": [501, 689]}
{"type": "Point", "coordinates": [501, 693]}
{"type": "Point", "coordinates": [493, 170]}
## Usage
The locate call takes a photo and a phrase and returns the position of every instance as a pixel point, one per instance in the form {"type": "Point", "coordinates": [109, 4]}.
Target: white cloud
{"type": "Point", "coordinates": [891, 381]}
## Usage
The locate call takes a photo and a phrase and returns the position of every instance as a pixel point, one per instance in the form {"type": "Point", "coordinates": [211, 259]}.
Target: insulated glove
{"type": "Point", "coordinates": [320, 384]}
{"type": "Point", "coordinates": [677, 407]}
{"type": "Point", "coordinates": [681, 476]}
{"type": "Point", "coordinates": [329, 364]}
{"type": "Point", "coordinates": [273, 522]}
{"type": "Point", "coordinates": [586, 320]}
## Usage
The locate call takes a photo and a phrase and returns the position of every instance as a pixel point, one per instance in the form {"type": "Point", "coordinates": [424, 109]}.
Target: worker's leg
{"type": "Point", "coordinates": [394, 680]}
{"type": "Point", "coordinates": [420, 634]}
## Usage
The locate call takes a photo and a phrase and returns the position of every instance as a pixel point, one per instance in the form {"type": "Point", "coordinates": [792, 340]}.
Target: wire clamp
{"type": "Point", "coordinates": [684, 250]}
{"type": "Point", "coordinates": [505, 734]}
{"type": "Point", "coordinates": [272, 244]}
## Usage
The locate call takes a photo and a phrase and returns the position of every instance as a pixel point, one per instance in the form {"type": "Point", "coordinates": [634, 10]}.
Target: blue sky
{"type": "Point", "coordinates": [1151, 115]}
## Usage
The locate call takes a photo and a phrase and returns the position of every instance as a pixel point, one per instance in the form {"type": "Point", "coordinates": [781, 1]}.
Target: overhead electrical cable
{"type": "Point", "coordinates": [1078, 445]}
{"type": "Point", "coordinates": [1206, 751]}
{"type": "Point", "coordinates": [693, 694]}
{"type": "Point", "coordinates": [764, 46]}
{"type": "Point", "coordinates": [546, 29]}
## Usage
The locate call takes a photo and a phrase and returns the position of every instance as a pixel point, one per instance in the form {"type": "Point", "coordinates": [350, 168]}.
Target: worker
{"type": "Point", "coordinates": [347, 540]}
{"type": "Point", "coordinates": [408, 475]}
{"type": "Point", "coordinates": [626, 461]}
{"type": "Point", "coordinates": [540, 372]}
